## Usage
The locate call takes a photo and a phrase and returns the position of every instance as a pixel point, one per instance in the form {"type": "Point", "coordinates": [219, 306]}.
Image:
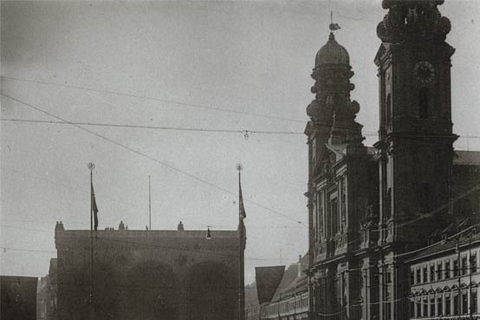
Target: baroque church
{"type": "Point", "coordinates": [371, 208]}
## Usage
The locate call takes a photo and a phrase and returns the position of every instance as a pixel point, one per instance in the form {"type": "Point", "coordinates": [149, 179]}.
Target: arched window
{"type": "Point", "coordinates": [423, 103]}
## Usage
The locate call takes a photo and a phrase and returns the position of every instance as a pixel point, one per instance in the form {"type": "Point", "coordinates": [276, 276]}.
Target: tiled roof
{"type": "Point", "coordinates": [268, 280]}
{"type": "Point", "coordinates": [288, 277]}
{"type": "Point", "coordinates": [299, 284]}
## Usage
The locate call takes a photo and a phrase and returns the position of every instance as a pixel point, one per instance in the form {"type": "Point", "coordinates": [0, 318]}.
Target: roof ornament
{"type": "Point", "coordinates": [333, 26]}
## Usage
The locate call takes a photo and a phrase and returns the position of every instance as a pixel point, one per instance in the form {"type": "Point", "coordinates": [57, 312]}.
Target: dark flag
{"type": "Point", "coordinates": [241, 208]}
{"type": "Point", "coordinates": [94, 210]}
{"type": "Point", "coordinates": [334, 26]}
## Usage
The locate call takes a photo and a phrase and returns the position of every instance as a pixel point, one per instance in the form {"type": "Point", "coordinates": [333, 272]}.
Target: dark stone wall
{"type": "Point", "coordinates": [148, 275]}
{"type": "Point", "coordinates": [18, 298]}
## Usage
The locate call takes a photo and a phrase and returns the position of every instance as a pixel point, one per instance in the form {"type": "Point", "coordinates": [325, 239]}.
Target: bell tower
{"type": "Point", "coordinates": [415, 134]}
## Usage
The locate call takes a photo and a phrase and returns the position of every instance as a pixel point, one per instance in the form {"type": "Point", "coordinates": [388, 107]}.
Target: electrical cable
{"type": "Point", "coordinates": [171, 167]}
{"type": "Point", "coordinates": [185, 104]}
{"type": "Point", "coordinates": [244, 132]}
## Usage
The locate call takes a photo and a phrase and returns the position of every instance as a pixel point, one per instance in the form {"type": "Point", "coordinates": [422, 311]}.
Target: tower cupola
{"type": "Point", "coordinates": [332, 53]}
{"type": "Point", "coordinates": [332, 111]}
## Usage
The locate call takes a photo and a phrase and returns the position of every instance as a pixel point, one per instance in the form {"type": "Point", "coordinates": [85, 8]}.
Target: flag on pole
{"type": "Point", "coordinates": [94, 210]}
{"type": "Point", "coordinates": [334, 26]}
{"type": "Point", "coordinates": [241, 208]}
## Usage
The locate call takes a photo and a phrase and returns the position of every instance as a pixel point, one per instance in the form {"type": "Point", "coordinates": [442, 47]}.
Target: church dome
{"type": "Point", "coordinates": [332, 52]}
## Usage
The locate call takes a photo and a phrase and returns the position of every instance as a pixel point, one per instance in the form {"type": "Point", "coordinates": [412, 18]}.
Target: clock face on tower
{"type": "Point", "coordinates": [424, 72]}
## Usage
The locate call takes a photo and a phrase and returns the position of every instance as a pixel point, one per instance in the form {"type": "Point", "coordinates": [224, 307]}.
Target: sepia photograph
{"type": "Point", "coordinates": [240, 160]}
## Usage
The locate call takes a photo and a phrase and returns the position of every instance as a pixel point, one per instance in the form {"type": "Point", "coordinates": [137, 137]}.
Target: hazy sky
{"type": "Point", "coordinates": [205, 65]}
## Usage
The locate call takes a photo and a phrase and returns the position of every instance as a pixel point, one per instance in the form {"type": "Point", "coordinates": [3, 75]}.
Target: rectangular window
{"type": "Point", "coordinates": [439, 271]}
{"type": "Point", "coordinates": [473, 301]}
{"type": "Point", "coordinates": [447, 304]}
{"type": "Point", "coordinates": [464, 265]}
{"type": "Point", "coordinates": [343, 204]}
{"type": "Point", "coordinates": [335, 217]}
{"type": "Point", "coordinates": [418, 303]}
{"type": "Point", "coordinates": [425, 279]}
{"type": "Point", "coordinates": [432, 307]}
{"type": "Point", "coordinates": [425, 308]}
{"type": "Point", "coordinates": [412, 276]}
{"type": "Point", "coordinates": [447, 269]}
{"type": "Point", "coordinates": [439, 306]}
{"type": "Point", "coordinates": [465, 302]}
{"type": "Point", "coordinates": [388, 311]}
{"type": "Point", "coordinates": [456, 304]}
{"type": "Point", "coordinates": [473, 263]}
{"type": "Point", "coordinates": [432, 272]}
{"type": "Point", "coordinates": [315, 218]}
{"type": "Point", "coordinates": [455, 268]}
{"type": "Point", "coordinates": [418, 276]}
{"type": "Point", "coordinates": [321, 214]}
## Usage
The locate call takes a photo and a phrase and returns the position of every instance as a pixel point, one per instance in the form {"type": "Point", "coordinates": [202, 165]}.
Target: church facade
{"type": "Point", "coordinates": [371, 208]}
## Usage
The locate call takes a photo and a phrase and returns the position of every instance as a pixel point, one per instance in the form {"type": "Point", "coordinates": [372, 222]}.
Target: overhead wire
{"type": "Point", "coordinates": [131, 95]}
{"type": "Point", "coordinates": [245, 132]}
{"type": "Point", "coordinates": [27, 250]}
{"type": "Point", "coordinates": [143, 244]}
{"type": "Point", "coordinates": [418, 218]}
{"type": "Point", "coordinates": [171, 167]}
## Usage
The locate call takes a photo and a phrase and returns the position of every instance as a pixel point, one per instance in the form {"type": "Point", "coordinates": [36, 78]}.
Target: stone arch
{"type": "Point", "coordinates": [151, 292]}
{"type": "Point", "coordinates": [212, 292]}
{"type": "Point", "coordinates": [105, 300]}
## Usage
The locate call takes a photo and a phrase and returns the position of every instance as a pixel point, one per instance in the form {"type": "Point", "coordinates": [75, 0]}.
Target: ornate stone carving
{"type": "Point", "coordinates": [412, 21]}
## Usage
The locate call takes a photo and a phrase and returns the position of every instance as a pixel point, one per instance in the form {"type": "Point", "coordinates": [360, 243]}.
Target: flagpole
{"type": "Point", "coordinates": [91, 166]}
{"type": "Point", "coordinates": [149, 206]}
{"type": "Point", "coordinates": [241, 268]}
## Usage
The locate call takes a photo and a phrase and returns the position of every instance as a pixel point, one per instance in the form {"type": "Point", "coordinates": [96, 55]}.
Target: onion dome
{"type": "Point", "coordinates": [332, 53]}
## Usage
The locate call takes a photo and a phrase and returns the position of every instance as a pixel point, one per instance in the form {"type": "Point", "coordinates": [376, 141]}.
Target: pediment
{"type": "Point", "coordinates": [328, 157]}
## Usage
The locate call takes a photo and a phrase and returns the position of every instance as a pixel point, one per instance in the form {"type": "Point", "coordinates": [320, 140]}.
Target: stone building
{"type": "Point", "coordinates": [371, 207]}
{"type": "Point", "coordinates": [18, 298]}
{"type": "Point", "coordinates": [168, 274]}
{"type": "Point", "coordinates": [252, 307]}
{"type": "Point", "coordinates": [444, 277]}
{"type": "Point", "coordinates": [47, 294]}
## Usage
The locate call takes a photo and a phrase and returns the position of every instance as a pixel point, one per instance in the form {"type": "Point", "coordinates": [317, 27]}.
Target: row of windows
{"type": "Point", "coordinates": [288, 306]}
{"type": "Point", "coordinates": [444, 269]}
{"type": "Point", "coordinates": [448, 304]}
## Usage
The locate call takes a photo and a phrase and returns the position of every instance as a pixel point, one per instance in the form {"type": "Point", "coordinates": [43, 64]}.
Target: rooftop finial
{"type": "Point", "coordinates": [333, 26]}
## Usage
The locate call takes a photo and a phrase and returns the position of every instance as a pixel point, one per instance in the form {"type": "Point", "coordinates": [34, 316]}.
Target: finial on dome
{"type": "Point", "coordinates": [333, 26]}
{"type": "Point", "coordinates": [332, 52]}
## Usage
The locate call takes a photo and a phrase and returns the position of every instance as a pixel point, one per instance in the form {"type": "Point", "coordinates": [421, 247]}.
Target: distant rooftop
{"type": "Point", "coordinates": [124, 232]}
{"type": "Point", "coordinates": [467, 158]}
